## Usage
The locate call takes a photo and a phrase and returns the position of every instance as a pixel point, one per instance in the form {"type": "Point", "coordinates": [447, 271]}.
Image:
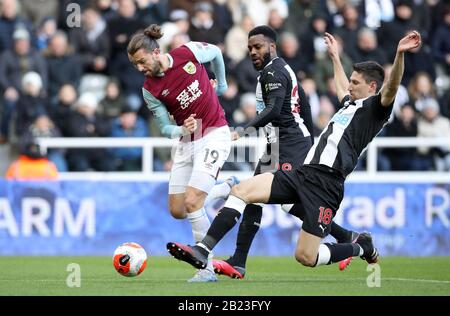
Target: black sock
{"type": "Point", "coordinates": [340, 233]}
{"type": "Point", "coordinates": [222, 224]}
{"type": "Point", "coordinates": [247, 231]}
{"type": "Point", "coordinates": [342, 251]}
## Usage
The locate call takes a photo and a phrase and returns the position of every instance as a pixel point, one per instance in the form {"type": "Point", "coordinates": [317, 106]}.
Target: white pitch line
{"type": "Point", "coordinates": [416, 280]}
{"type": "Point", "coordinates": [257, 280]}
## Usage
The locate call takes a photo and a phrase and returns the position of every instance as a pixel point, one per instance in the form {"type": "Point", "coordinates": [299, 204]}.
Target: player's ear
{"type": "Point", "coordinates": [273, 47]}
{"type": "Point", "coordinates": [373, 85]}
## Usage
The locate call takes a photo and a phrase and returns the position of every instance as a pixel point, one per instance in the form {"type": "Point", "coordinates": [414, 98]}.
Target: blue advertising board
{"type": "Point", "coordinates": [93, 218]}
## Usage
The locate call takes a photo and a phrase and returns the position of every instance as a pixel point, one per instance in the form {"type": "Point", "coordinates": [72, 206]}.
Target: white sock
{"type": "Point", "coordinates": [219, 191]}
{"type": "Point", "coordinates": [235, 203]}
{"type": "Point", "coordinates": [200, 224]}
{"type": "Point", "coordinates": [323, 256]}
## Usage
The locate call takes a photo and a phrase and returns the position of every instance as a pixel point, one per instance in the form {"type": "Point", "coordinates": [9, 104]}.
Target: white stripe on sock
{"type": "Point", "coordinates": [235, 203]}
{"type": "Point", "coordinates": [324, 255]}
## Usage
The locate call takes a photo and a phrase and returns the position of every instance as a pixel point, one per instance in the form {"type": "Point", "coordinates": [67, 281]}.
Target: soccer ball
{"type": "Point", "coordinates": [130, 259]}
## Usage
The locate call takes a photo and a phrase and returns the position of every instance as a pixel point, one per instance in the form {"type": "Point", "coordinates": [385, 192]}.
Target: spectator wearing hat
{"type": "Point", "coordinates": [203, 28]}
{"type": "Point", "coordinates": [85, 122]}
{"type": "Point", "coordinates": [14, 64]}
{"type": "Point", "coordinates": [9, 22]}
{"type": "Point", "coordinates": [31, 103]}
{"type": "Point", "coordinates": [432, 124]}
{"type": "Point", "coordinates": [128, 124]}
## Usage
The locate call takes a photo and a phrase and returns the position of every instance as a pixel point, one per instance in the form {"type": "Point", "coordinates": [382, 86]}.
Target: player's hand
{"type": "Point", "coordinates": [411, 41]}
{"type": "Point", "coordinates": [190, 124]}
{"type": "Point", "coordinates": [213, 83]}
{"type": "Point", "coordinates": [332, 45]}
{"type": "Point", "coordinates": [235, 136]}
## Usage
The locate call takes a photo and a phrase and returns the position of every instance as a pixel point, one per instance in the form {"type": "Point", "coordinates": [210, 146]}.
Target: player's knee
{"type": "Point", "coordinates": [177, 210]}
{"type": "Point", "coordinates": [193, 202]}
{"type": "Point", "coordinates": [240, 192]}
{"type": "Point", "coordinates": [305, 259]}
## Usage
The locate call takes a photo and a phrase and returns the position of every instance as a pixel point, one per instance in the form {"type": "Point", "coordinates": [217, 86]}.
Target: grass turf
{"type": "Point", "coordinates": [265, 276]}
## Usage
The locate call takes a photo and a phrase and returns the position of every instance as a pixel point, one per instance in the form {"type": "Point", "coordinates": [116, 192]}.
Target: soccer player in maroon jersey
{"type": "Point", "coordinates": [177, 83]}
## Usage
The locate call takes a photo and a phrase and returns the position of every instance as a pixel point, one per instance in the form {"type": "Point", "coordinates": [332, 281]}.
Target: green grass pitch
{"type": "Point", "coordinates": [266, 276]}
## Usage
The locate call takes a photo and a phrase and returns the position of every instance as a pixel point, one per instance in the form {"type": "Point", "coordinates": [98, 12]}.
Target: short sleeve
{"type": "Point", "coordinates": [380, 111]}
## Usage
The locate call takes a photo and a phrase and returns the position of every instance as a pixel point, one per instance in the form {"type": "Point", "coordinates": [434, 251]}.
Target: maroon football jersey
{"type": "Point", "coordinates": [185, 89]}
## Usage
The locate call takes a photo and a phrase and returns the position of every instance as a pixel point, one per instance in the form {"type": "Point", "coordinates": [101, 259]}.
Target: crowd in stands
{"type": "Point", "coordinates": [57, 79]}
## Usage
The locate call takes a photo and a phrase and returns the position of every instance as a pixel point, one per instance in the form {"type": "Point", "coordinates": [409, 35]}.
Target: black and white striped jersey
{"type": "Point", "coordinates": [277, 79]}
{"type": "Point", "coordinates": [348, 133]}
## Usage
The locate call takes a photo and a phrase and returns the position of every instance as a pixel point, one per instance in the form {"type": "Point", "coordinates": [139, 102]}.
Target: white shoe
{"type": "Point", "coordinates": [204, 275]}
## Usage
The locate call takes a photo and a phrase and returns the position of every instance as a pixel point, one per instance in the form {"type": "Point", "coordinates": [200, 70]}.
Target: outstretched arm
{"type": "Point", "coordinates": [388, 92]}
{"type": "Point", "coordinates": [340, 79]}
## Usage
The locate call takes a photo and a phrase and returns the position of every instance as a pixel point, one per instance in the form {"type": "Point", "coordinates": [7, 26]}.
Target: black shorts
{"type": "Point", "coordinates": [287, 154]}
{"type": "Point", "coordinates": [318, 189]}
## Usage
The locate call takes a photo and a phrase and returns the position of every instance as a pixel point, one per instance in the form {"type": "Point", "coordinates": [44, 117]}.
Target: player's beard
{"type": "Point", "coordinates": [156, 69]}
{"type": "Point", "coordinates": [265, 60]}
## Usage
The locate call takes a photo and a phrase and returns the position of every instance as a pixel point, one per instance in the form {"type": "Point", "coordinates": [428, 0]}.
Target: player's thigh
{"type": "Point", "coordinates": [255, 189]}
{"type": "Point", "coordinates": [182, 167]}
{"type": "Point", "coordinates": [321, 195]}
{"type": "Point", "coordinates": [211, 151]}
{"type": "Point", "coordinates": [307, 248]}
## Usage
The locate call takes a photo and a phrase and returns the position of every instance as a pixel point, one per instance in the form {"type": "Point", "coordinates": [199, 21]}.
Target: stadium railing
{"type": "Point", "coordinates": [148, 146]}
